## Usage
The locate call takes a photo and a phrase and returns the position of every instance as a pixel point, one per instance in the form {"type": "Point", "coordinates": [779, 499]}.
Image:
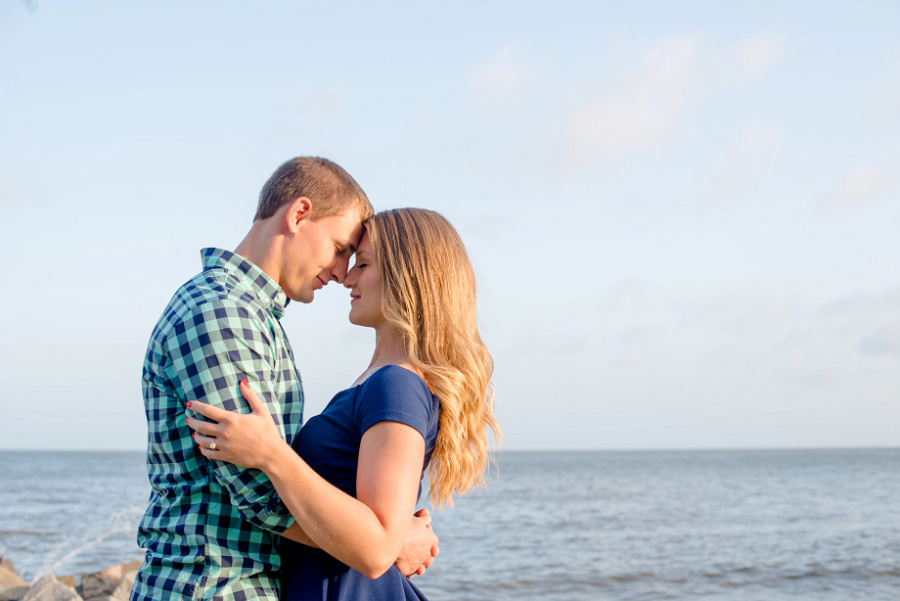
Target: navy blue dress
{"type": "Point", "coordinates": [329, 443]}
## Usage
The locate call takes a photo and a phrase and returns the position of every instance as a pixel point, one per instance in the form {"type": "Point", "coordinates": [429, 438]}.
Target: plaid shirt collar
{"type": "Point", "coordinates": [268, 291]}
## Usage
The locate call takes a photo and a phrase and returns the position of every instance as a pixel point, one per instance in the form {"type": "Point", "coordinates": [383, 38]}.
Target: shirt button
{"type": "Point", "coordinates": [264, 298]}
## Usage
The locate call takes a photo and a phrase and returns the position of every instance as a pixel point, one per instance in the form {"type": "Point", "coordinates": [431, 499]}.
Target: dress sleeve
{"type": "Point", "coordinates": [212, 349]}
{"type": "Point", "coordinates": [395, 394]}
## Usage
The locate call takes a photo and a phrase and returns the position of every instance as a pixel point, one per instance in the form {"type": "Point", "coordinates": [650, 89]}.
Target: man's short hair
{"type": "Point", "coordinates": [332, 190]}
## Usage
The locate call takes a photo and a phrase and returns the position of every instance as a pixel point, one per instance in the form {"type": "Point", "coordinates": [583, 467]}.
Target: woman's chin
{"type": "Point", "coordinates": [359, 316]}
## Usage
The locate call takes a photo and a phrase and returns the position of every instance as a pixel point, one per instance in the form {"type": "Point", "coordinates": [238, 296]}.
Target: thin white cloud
{"type": "Point", "coordinates": [635, 354]}
{"type": "Point", "coordinates": [503, 78]}
{"type": "Point", "coordinates": [641, 108]}
{"type": "Point", "coordinates": [884, 340]}
{"type": "Point", "coordinates": [758, 138]}
{"type": "Point", "coordinates": [747, 160]}
{"type": "Point", "coordinates": [738, 313]}
{"type": "Point", "coordinates": [758, 53]}
{"type": "Point", "coordinates": [861, 185]}
{"type": "Point", "coordinates": [646, 103]}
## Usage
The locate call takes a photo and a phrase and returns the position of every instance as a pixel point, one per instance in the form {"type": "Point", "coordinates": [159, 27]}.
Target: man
{"type": "Point", "coordinates": [211, 529]}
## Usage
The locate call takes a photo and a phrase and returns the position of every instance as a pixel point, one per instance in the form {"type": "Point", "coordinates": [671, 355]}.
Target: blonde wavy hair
{"type": "Point", "coordinates": [428, 293]}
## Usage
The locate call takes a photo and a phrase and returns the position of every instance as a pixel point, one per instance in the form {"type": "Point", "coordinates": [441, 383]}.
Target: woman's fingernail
{"type": "Point", "coordinates": [189, 404]}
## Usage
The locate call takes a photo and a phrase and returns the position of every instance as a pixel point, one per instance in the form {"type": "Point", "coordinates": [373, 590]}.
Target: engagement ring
{"type": "Point", "coordinates": [212, 446]}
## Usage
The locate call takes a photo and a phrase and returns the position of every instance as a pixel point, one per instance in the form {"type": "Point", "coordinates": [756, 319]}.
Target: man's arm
{"type": "Point", "coordinates": [212, 349]}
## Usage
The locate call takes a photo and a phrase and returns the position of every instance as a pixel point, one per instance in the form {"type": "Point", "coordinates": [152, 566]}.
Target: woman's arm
{"type": "Point", "coordinates": [365, 533]}
{"type": "Point", "coordinates": [417, 554]}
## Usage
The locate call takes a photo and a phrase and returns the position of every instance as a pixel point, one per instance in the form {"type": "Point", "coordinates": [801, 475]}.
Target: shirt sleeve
{"type": "Point", "coordinates": [395, 394]}
{"type": "Point", "coordinates": [212, 349]}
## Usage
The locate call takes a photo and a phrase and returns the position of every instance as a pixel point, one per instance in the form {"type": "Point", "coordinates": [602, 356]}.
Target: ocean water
{"type": "Point", "coordinates": [567, 526]}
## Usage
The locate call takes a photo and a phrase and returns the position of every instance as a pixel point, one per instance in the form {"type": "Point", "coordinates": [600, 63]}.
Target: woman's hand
{"type": "Point", "coordinates": [247, 439]}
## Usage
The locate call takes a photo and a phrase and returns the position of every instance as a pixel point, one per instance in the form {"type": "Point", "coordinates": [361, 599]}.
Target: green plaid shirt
{"type": "Point", "coordinates": [211, 527]}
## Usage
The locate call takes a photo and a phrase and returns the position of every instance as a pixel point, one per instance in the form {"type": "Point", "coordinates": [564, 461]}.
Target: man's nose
{"type": "Point", "coordinates": [339, 272]}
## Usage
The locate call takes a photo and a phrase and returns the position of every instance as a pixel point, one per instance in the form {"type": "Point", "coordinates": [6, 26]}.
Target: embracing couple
{"type": "Point", "coordinates": [245, 503]}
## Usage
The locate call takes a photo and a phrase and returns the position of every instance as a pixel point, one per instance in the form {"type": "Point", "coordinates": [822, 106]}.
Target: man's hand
{"type": "Point", "coordinates": [420, 547]}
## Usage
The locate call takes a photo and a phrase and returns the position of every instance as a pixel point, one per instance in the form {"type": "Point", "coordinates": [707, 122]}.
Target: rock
{"type": "Point", "coordinates": [49, 588]}
{"type": "Point", "coordinates": [12, 588]}
{"type": "Point", "coordinates": [8, 576]}
{"type": "Point", "coordinates": [69, 581]}
{"type": "Point", "coordinates": [14, 593]}
{"type": "Point", "coordinates": [123, 591]}
{"type": "Point", "coordinates": [102, 584]}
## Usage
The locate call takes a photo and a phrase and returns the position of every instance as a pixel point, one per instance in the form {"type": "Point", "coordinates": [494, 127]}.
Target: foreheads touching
{"type": "Point", "coordinates": [314, 210]}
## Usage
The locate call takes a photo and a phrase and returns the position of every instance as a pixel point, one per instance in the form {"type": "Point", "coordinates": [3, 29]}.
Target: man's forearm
{"type": "Point", "coordinates": [298, 535]}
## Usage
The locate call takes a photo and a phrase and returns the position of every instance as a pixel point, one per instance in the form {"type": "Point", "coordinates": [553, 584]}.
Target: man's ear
{"type": "Point", "coordinates": [298, 211]}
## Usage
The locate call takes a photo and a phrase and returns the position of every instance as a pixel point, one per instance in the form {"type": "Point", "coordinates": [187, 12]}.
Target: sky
{"type": "Point", "coordinates": [682, 216]}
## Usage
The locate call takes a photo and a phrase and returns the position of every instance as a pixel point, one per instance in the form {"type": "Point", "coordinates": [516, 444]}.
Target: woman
{"type": "Point", "coordinates": [353, 476]}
